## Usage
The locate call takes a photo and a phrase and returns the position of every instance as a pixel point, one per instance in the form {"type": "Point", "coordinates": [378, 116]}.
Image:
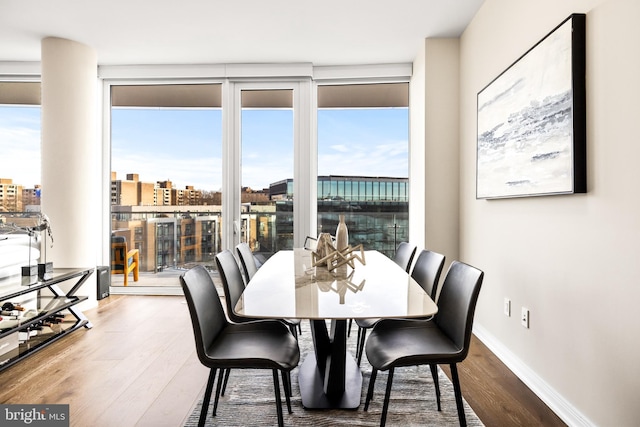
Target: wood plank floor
{"type": "Point", "coordinates": [138, 367]}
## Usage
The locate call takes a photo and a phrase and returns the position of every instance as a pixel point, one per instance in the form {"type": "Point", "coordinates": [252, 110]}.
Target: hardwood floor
{"type": "Point", "coordinates": [138, 367]}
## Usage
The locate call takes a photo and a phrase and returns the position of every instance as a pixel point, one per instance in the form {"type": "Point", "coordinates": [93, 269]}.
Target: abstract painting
{"type": "Point", "coordinates": [532, 120]}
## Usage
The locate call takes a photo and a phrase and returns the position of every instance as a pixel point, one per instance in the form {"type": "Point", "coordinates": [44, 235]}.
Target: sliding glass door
{"type": "Point", "coordinates": [267, 188]}
{"type": "Point", "coordinates": [166, 177]}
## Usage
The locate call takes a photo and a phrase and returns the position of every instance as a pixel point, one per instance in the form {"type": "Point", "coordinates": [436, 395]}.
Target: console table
{"type": "Point", "coordinates": [40, 320]}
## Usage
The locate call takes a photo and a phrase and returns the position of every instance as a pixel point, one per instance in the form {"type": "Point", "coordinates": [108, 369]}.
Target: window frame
{"type": "Point", "coordinates": [304, 79]}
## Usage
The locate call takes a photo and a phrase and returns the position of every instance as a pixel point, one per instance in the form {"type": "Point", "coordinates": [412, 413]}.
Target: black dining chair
{"type": "Point", "coordinates": [249, 266]}
{"type": "Point", "coordinates": [233, 286]}
{"type": "Point", "coordinates": [247, 261]}
{"type": "Point", "coordinates": [426, 272]}
{"type": "Point", "coordinates": [395, 343]}
{"type": "Point", "coordinates": [403, 257]}
{"type": "Point", "coordinates": [232, 283]}
{"type": "Point", "coordinates": [223, 345]}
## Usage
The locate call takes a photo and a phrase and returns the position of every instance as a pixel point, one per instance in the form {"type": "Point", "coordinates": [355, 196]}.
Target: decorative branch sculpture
{"type": "Point", "coordinates": [326, 253]}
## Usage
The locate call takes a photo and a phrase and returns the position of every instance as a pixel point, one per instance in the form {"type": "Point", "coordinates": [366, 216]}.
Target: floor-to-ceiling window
{"type": "Point", "coordinates": [363, 162]}
{"type": "Point", "coordinates": [267, 160]}
{"type": "Point", "coordinates": [20, 174]}
{"type": "Point", "coordinates": [166, 176]}
{"type": "Point", "coordinates": [293, 154]}
{"type": "Point", "coordinates": [20, 126]}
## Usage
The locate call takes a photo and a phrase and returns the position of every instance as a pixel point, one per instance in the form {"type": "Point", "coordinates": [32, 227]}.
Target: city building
{"type": "Point", "coordinates": [10, 196]}
{"type": "Point", "coordinates": [133, 192]}
{"type": "Point", "coordinates": [31, 196]}
{"type": "Point", "coordinates": [185, 233]}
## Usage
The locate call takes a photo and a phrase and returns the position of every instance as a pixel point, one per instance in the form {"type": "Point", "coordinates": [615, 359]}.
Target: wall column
{"type": "Point", "coordinates": [442, 140]}
{"type": "Point", "coordinates": [70, 149]}
{"type": "Point", "coordinates": [434, 157]}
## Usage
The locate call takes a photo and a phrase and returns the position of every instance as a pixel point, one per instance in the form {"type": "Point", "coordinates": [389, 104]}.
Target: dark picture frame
{"type": "Point", "coordinates": [531, 134]}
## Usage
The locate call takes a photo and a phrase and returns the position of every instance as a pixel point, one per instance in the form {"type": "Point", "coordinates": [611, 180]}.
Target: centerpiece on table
{"type": "Point", "coordinates": [339, 255]}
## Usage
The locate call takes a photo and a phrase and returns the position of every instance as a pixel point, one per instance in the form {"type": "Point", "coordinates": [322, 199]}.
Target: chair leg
{"type": "Point", "coordinates": [361, 344]}
{"type": "Point", "coordinates": [436, 383]}
{"type": "Point", "coordinates": [294, 331]}
{"type": "Point", "coordinates": [387, 395]}
{"type": "Point", "coordinates": [458, 392]}
{"type": "Point", "coordinates": [349, 328]}
{"type": "Point", "coordinates": [218, 390]}
{"type": "Point", "coordinates": [207, 397]}
{"type": "Point", "coordinates": [372, 381]}
{"type": "Point", "coordinates": [226, 380]}
{"type": "Point", "coordinates": [358, 341]}
{"type": "Point", "coordinates": [136, 272]}
{"type": "Point", "coordinates": [276, 386]}
{"type": "Point", "coordinates": [286, 384]}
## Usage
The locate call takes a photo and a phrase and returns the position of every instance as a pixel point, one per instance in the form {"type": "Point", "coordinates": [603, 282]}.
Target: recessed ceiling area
{"type": "Point", "coordinates": [331, 32]}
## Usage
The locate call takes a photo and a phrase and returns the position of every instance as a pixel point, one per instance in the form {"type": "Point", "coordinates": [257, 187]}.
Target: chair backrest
{"type": "Point", "coordinates": [118, 252]}
{"type": "Point", "coordinates": [247, 261]}
{"type": "Point", "coordinates": [310, 243]}
{"type": "Point", "coordinates": [457, 303]}
{"type": "Point", "coordinates": [404, 255]}
{"type": "Point", "coordinates": [205, 308]}
{"type": "Point", "coordinates": [426, 271]}
{"type": "Point", "coordinates": [232, 283]}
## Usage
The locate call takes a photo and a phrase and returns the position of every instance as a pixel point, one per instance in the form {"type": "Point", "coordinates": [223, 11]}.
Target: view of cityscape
{"type": "Point", "coordinates": [173, 227]}
{"type": "Point", "coordinates": [183, 227]}
{"type": "Point", "coordinates": [177, 223]}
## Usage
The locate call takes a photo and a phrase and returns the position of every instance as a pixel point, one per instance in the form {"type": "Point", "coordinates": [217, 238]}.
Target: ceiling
{"type": "Point", "coordinates": [328, 32]}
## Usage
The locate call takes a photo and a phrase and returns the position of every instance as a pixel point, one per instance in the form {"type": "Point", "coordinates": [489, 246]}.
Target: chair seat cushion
{"type": "Point", "coordinates": [263, 344]}
{"type": "Point", "coordinates": [119, 266]}
{"type": "Point", "coordinates": [394, 343]}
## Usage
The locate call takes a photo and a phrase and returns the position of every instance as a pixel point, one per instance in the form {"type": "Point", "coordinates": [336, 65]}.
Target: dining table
{"type": "Point", "coordinates": [289, 286]}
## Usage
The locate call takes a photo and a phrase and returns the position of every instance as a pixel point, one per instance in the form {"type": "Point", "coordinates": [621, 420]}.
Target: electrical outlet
{"type": "Point", "coordinates": [507, 307]}
{"type": "Point", "coordinates": [524, 318]}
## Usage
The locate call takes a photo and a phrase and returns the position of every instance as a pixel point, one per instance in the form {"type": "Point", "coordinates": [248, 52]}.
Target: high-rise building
{"type": "Point", "coordinates": [10, 196]}
{"type": "Point", "coordinates": [31, 196]}
{"type": "Point", "coordinates": [133, 192]}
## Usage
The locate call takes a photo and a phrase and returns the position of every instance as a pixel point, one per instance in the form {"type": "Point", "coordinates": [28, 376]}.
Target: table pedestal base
{"type": "Point", "coordinates": [312, 386]}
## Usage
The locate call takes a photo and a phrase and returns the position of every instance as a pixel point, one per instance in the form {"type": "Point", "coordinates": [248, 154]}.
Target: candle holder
{"type": "Point", "coordinates": [30, 270]}
{"type": "Point", "coordinates": [45, 269]}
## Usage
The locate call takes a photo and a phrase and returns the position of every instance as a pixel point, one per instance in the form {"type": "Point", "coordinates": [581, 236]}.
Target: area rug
{"type": "Point", "coordinates": [249, 399]}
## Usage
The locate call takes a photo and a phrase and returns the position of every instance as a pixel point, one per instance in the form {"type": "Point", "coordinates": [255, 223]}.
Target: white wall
{"type": "Point", "coordinates": [574, 261]}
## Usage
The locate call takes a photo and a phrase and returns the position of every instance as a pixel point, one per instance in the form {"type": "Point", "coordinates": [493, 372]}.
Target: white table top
{"type": "Point", "coordinates": [287, 286]}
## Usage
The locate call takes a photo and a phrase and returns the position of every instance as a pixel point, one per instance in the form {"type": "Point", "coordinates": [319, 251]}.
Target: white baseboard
{"type": "Point", "coordinates": [554, 400]}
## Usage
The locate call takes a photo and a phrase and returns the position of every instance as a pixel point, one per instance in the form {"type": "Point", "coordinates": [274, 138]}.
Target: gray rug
{"type": "Point", "coordinates": [249, 399]}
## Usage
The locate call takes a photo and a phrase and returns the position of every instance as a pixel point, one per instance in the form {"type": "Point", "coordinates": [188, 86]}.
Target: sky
{"type": "Point", "coordinates": [185, 146]}
{"type": "Point", "coordinates": [20, 145]}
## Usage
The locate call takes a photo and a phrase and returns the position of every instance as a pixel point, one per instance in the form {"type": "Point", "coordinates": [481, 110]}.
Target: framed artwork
{"type": "Point", "coordinates": [532, 120]}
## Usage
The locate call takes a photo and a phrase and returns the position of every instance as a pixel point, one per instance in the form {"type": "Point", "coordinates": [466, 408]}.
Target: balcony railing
{"type": "Point", "coordinates": [170, 243]}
